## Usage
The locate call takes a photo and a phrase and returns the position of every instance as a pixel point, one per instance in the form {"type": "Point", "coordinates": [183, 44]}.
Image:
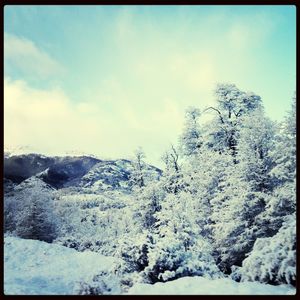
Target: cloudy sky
{"type": "Point", "coordinates": [107, 79]}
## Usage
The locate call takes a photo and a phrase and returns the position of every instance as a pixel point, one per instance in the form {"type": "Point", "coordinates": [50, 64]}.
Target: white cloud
{"type": "Point", "coordinates": [50, 123]}
{"type": "Point", "coordinates": [138, 95]}
{"type": "Point", "coordinates": [26, 57]}
{"type": "Point", "coordinates": [44, 119]}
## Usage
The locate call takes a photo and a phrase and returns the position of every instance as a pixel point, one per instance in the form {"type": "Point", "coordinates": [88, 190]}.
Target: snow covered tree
{"type": "Point", "coordinates": [241, 189]}
{"type": "Point", "coordinates": [10, 211]}
{"type": "Point", "coordinates": [255, 143]}
{"type": "Point", "coordinates": [138, 173]}
{"type": "Point", "coordinates": [147, 203]}
{"type": "Point", "coordinates": [93, 221]}
{"type": "Point", "coordinates": [284, 154]}
{"type": "Point", "coordinates": [191, 140]}
{"type": "Point", "coordinates": [170, 158]}
{"type": "Point", "coordinates": [232, 207]}
{"type": "Point", "coordinates": [282, 201]}
{"type": "Point", "coordinates": [273, 259]}
{"type": "Point", "coordinates": [133, 251]}
{"type": "Point", "coordinates": [34, 216]}
{"type": "Point", "coordinates": [177, 248]}
{"type": "Point", "coordinates": [202, 175]}
{"type": "Point", "coordinates": [232, 104]}
{"type": "Point", "coordinates": [172, 179]}
{"type": "Point", "coordinates": [36, 220]}
{"type": "Point", "coordinates": [133, 246]}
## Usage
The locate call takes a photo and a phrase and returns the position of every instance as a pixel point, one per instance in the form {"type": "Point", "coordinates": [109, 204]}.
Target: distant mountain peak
{"type": "Point", "coordinates": [81, 172]}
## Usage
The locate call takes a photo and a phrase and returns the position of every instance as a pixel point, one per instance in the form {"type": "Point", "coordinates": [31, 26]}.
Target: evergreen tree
{"type": "Point", "coordinates": [36, 219]}
{"type": "Point", "coordinates": [34, 215]}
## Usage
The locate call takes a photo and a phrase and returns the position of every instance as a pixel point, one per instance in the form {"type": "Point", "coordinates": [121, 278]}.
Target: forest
{"type": "Point", "coordinates": [224, 205]}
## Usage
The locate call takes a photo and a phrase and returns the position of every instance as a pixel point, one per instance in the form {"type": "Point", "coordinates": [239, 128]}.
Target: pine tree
{"type": "Point", "coordinates": [36, 220]}
{"type": "Point", "coordinates": [35, 217]}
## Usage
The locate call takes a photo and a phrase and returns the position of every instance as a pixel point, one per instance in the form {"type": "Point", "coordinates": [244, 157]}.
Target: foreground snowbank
{"type": "Point", "coordinates": [204, 286]}
{"type": "Point", "coordinates": [38, 268]}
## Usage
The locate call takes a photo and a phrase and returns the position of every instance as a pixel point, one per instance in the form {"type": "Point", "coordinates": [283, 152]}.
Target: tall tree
{"type": "Point", "coordinates": [172, 179]}
{"type": "Point", "coordinates": [282, 200]}
{"type": "Point", "coordinates": [191, 138]}
{"type": "Point", "coordinates": [138, 174]}
{"type": "Point", "coordinates": [242, 190]}
{"type": "Point", "coordinates": [232, 104]}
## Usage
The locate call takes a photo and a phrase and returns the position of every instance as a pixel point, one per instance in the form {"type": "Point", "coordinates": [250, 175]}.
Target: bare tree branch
{"type": "Point", "coordinates": [220, 115]}
{"type": "Point", "coordinates": [174, 156]}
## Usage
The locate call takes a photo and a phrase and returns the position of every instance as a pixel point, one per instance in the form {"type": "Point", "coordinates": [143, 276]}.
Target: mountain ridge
{"type": "Point", "coordinates": [83, 171]}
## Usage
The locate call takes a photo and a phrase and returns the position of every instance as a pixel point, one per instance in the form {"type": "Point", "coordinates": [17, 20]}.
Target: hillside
{"type": "Point", "coordinates": [81, 172]}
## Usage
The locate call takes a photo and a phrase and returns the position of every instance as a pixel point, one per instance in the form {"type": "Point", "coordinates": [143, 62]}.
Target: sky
{"type": "Point", "coordinates": [104, 80]}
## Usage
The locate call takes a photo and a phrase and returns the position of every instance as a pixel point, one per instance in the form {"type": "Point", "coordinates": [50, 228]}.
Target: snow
{"type": "Point", "coordinates": [233, 190]}
{"type": "Point", "coordinates": [37, 268]}
{"type": "Point", "coordinates": [204, 286]}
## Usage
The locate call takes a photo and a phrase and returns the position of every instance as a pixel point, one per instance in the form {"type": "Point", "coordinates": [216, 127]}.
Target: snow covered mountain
{"type": "Point", "coordinates": [20, 167]}
{"type": "Point", "coordinates": [114, 175]}
{"type": "Point", "coordinates": [81, 172]}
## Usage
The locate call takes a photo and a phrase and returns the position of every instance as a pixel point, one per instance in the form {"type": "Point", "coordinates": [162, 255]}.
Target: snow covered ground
{"type": "Point", "coordinates": [204, 286]}
{"type": "Point", "coordinates": [38, 268]}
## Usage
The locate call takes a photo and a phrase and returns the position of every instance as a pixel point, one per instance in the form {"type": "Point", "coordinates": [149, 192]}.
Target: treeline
{"type": "Point", "coordinates": [226, 201]}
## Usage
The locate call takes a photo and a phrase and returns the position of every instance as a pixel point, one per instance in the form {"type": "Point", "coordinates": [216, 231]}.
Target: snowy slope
{"type": "Point", "coordinates": [114, 175]}
{"type": "Point", "coordinates": [38, 268]}
{"type": "Point", "coordinates": [204, 286]}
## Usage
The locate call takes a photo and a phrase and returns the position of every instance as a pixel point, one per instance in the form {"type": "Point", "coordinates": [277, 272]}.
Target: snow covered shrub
{"type": "Point", "coordinates": [235, 273]}
{"type": "Point", "coordinates": [273, 259]}
{"type": "Point", "coordinates": [170, 259]}
{"type": "Point", "coordinates": [85, 227]}
{"type": "Point", "coordinates": [134, 253]}
{"type": "Point", "coordinates": [104, 283]}
{"type": "Point", "coordinates": [176, 247]}
{"type": "Point", "coordinates": [281, 203]}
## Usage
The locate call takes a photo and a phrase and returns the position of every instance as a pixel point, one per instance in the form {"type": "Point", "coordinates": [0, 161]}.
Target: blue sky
{"type": "Point", "coordinates": [107, 79]}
